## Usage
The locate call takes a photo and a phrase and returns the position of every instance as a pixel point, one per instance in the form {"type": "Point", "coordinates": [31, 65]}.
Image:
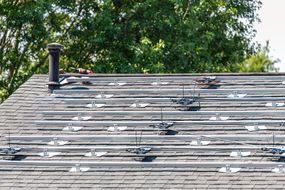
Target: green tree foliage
{"type": "Point", "coordinates": [259, 62]}
{"type": "Point", "coordinates": [124, 36]}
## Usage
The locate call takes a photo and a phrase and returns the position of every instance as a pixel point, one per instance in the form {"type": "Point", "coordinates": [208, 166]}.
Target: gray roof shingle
{"type": "Point", "coordinates": [21, 113]}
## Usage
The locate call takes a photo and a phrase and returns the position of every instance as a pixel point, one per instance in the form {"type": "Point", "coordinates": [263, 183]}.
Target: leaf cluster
{"type": "Point", "coordinates": [124, 36]}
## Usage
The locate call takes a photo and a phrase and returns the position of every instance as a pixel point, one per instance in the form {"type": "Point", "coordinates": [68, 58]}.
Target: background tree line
{"type": "Point", "coordinates": [129, 36]}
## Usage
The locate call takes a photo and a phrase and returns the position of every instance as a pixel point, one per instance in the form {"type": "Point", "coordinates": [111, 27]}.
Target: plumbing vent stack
{"type": "Point", "coordinates": [54, 50]}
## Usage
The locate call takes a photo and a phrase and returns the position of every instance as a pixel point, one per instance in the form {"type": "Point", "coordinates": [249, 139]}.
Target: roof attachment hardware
{"type": "Point", "coordinates": [57, 142]}
{"type": "Point", "coordinates": [10, 150]}
{"type": "Point", "coordinates": [274, 104]}
{"type": "Point", "coordinates": [235, 94]}
{"type": "Point", "coordinates": [63, 81]}
{"type": "Point", "coordinates": [77, 168]}
{"type": "Point", "coordinates": [86, 81]}
{"type": "Point", "coordinates": [199, 142]}
{"type": "Point", "coordinates": [185, 101]}
{"type": "Point", "coordinates": [71, 128]}
{"type": "Point", "coordinates": [208, 80]}
{"type": "Point", "coordinates": [255, 127]}
{"type": "Point", "coordinates": [218, 118]}
{"type": "Point", "coordinates": [116, 128]}
{"type": "Point", "coordinates": [94, 105]}
{"type": "Point", "coordinates": [139, 149]}
{"type": "Point", "coordinates": [93, 153]}
{"type": "Point", "coordinates": [274, 150]}
{"type": "Point", "coordinates": [162, 125]}
{"type": "Point", "coordinates": [116, 83]}
{"type": "Point", "coordinates": [45, 153]}
{"type": "Point", "coordinates": [279, 169]}
{"type": "Point", "coordinates": [239, 153]}
{"type": "Point", "coordinates": [228, 169]}
{"type": "Point", "coordinates": [159, 82]}
{"type": "Point", "coordinates": [79, 117]}
{"type": "Point", "coordinates": [139, 105]}
{"type": "Point", "coordinates": [102, 95]}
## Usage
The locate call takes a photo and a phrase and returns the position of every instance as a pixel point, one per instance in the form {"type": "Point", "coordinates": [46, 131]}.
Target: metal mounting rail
{"type": "Point", "coordinates": [167, 113]}
{"type": "Point", "coordinates": [199, 164]}
{"type": "Point", "coordinates": [121, 138]}
{"type": "Point", "coordinates": [170, 91]}
{"type": "Point", "coordinates": [167, 100]}
{"type": "Point", "coordinates": [173, 82]}
{"type": "Point", "coordinates": [153, 148]}
{"type": "Point", "coordinates": [144, 123]}
{"type": "Point", "coordinates": [173, 78]}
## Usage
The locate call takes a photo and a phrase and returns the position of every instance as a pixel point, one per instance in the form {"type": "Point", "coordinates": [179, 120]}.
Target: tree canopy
{"type": "Point", "coordinates": [125, 36]}
{"type": "Point", "coordinates": [260, 61]}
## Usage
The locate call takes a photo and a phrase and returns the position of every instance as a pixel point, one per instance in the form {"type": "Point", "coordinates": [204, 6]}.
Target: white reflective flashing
{"type": "Point", "coordinates": [116, 128]}
{"type": "Point", "coordinates": [116, 83]}
{"type": "Point", "coordinates": [139, 105]}
{"type": "Point", "coordinates": [279, 169]}
{"type": "Point", "coordinates": [101, 96]}
{"type": "Point", "coordinates": [199, 142]}
{"type": "Point", "coordinates": [255, 127]}
{"type": "Point", "coordinates": [274, 104]}
{"type": "Point", "coordinates": [235, 94]}
{"type": "Point", "coordinates": [228, 169]}
{"type": "Point", "coordinates": [47, 154]}
{"type": "Point", "coordinates": [77, 168]}
{"type": "Point", "coordinates": [56, 142]}
{"type": "Point", "coordinates": [218, 118]}
{"type": "Point", "coordinates": [159, 82]}
{"type": "Point", "coordinates": [94, 153]}
{"type": "Point", "coordinates": [94, 105]}
{"type": "Point", "coordinates": [239, 153]}
{"type": "Point", "coordinates": [64, 82]}
{"type": "Point", "coordinates": [211, 77]}
{"type": "Point", "coordinates": [57, 95]}
{"type": "Point", "coordinates": [81, 118]}
{"type": "Point", "coordinates": [72, 128]}
{"type": "Point", "coordinates": [72, 77]}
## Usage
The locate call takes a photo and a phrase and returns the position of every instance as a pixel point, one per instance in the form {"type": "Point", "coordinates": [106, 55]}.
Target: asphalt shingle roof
{"type": "Point", "coordinates": [33, 113]}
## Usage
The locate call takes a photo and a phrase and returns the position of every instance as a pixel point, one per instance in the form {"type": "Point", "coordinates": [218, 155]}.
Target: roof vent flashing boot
{"type": "Point", "coordinates": [54, 49]}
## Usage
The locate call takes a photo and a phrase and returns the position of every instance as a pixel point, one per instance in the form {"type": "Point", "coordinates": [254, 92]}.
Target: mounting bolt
{"type": "Point", "coordinates": [77, 167]}
{"type": "Point", "coordinates": [54, 49]}
{"type": "Point", "coordinates": [55, 141]}
{"type": "Point", "coordinates": [45, 152]}
{"type": "Point", "coordinates": [93, 152]}
{"type": "Point", "coordinates": [280, 168]}
{"type": "Point", "coordinates": [228, 168]}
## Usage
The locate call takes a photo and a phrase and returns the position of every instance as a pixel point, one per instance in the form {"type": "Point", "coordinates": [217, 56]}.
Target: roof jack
{"type": "Point", "coordinates": [185, 101]}
{"type": "Point", "coordinates": [199, 142]}
{"type": "Point", "coordinates": [162, 125]}
{"type": "Point", "coordinates": [10, 150]}
{"type": "Point", "coordinates": [207, 80]}
{"type": "Point", "coordinates": [78, 168]}
{"type": "Point", "coordinates": [139, 149]}
{"type": "Point", "coordinates": [279, 169]}
{"type": "Point", "coordinates": [274, 149]}
{"type": "Point", "coordinates": [229, 169]}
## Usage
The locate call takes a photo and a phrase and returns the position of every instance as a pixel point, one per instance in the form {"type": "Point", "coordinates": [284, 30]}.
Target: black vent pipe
{"type": "Point", "coordinates": [54, 50]}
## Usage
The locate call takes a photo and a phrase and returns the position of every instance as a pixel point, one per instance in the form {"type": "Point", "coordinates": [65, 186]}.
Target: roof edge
{"type": "Point", "coordinates": [175, 74]}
